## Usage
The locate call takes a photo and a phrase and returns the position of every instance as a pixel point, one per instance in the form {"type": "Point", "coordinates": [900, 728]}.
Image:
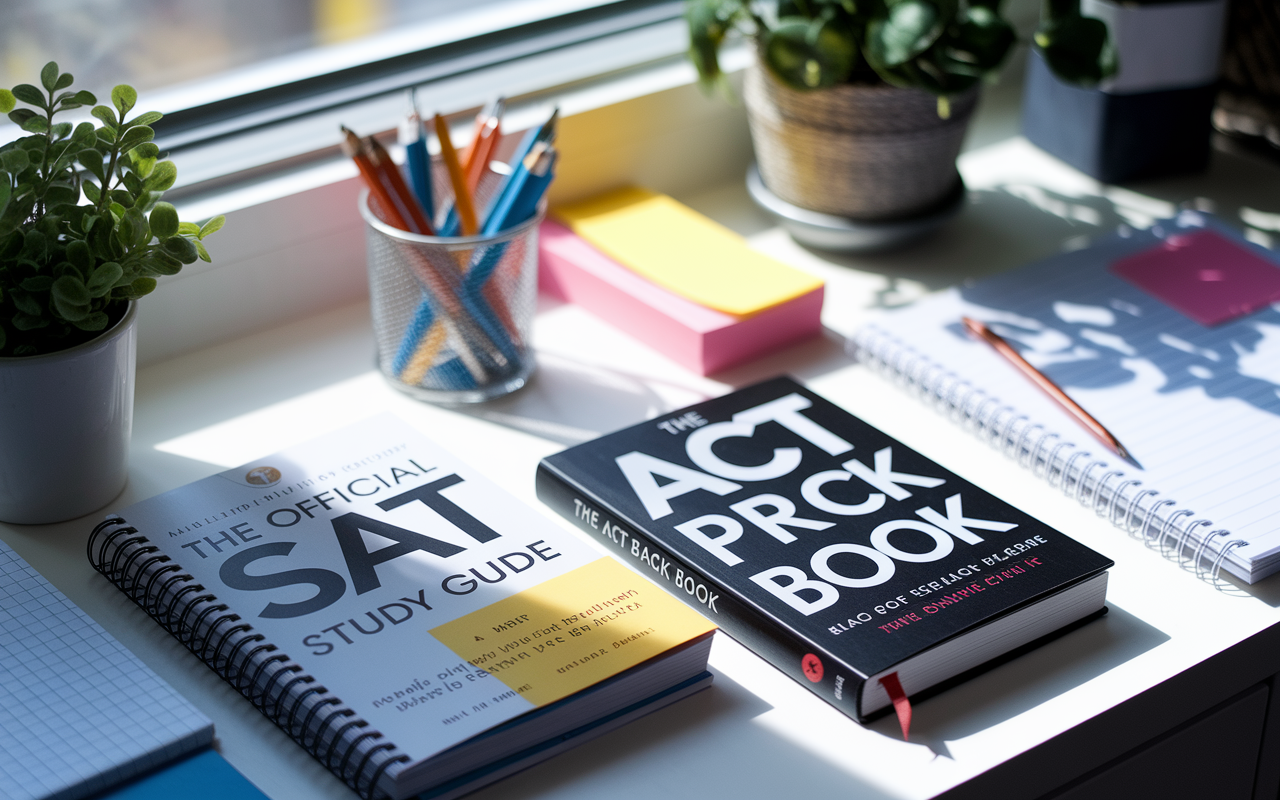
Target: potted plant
{"type": "Point", "coordinates": [858, 108]}
{"type": "Point", "coordinates": [83, 235]}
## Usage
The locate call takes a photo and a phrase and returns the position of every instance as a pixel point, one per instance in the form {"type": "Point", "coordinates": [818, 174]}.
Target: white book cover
{"type": "Point", "coordinates": [422, 598]}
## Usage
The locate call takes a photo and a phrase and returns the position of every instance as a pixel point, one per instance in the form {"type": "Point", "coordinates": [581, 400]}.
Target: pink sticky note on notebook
{"type": "Point", "coordinates": [1204, 275]}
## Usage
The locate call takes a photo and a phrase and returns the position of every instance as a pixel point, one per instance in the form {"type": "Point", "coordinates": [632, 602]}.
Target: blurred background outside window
{"type": "Point", "coordinates": [153, 44]}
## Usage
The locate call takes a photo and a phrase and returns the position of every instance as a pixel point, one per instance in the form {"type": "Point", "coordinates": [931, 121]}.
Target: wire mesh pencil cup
{"type": "Point", "coordinates": [452, 315]}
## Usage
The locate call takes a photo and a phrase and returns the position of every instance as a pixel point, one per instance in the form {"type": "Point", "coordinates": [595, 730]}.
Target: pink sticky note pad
{"type": "Point", "coordinates": [701, 339]}
{"type": "Point", "coordinates": [1204, 275]}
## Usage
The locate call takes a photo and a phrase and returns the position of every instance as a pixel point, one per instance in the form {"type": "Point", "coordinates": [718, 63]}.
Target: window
{"type": "Point", "coordinates": [277, 75]}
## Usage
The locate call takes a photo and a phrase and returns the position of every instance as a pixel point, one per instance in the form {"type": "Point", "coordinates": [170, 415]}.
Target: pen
{"type": "Point", "coordinates": [1049, 387]}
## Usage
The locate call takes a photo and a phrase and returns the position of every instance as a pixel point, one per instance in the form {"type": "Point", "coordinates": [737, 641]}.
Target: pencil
{"type": "Point", "coordinates": [461, 197]}
{"type": "Point", "coordinates": [355, 150]}
{"type": "Point", "coordinates": [417, 161]}
{"type": "Point", "coordinates": [1049, 387]}
{"type": "Point", "coordinates": [381, 161]}
{"type": "Point", "coordinates": [480, 151]}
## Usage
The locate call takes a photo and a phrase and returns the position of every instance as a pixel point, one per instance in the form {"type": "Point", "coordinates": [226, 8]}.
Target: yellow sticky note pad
{"type": "Point", "coordinates": [679, 249]}
{"type": "Point", "coordinates": [573, 631]}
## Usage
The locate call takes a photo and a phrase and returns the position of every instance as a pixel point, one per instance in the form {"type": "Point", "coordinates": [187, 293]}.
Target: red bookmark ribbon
{"type": "Point", "coordinates": [901, 704]}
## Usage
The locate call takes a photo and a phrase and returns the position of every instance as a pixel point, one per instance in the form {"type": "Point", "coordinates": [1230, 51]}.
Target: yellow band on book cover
{"type": "Point", "coordinates": [571, 632]}
{"type": "Point", "coordinates": [677, 248]}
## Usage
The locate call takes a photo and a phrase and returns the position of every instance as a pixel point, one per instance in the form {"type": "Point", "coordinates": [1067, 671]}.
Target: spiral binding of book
{"type": "Point", "coordinates": [1095, 483]}
{"type": "Point", "coordinates": [280, 688]}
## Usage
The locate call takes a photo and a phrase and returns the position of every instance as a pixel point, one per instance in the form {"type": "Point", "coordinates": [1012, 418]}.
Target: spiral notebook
{"type": "Point", "coordinates": [1126, 334]}
{"type": "Point", "coordinates": [78, 712]}
{"type": "Point", "coordinates": [411, 625]}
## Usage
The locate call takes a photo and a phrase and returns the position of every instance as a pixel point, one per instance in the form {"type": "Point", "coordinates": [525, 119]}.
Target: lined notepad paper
{"type": "Point", "coordinates": [1197, 406]}
{"type": "Point", "coordinates": [78, 712]}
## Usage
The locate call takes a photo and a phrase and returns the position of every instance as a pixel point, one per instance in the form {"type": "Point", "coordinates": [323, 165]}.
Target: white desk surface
{"type": "Point", "coordinates": [755, 734]}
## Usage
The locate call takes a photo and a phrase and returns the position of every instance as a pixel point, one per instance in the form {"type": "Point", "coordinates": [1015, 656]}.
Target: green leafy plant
{"type": "Point", "coordinates": [69, 268]}
{"type": "Point", "coordinates": [941, 46]}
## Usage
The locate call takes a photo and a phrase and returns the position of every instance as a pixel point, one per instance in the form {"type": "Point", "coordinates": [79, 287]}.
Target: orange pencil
{"type": "Point", "coordinates": [1048, 387]}
{"type": "Point", "coordinates": [480, 151]}
{"type": "Point", "coordinates": [461, 196]}
{"type": "Point", "coordinates": [382, 163]}
{"type": "Point", "coordinates": [354, 148]}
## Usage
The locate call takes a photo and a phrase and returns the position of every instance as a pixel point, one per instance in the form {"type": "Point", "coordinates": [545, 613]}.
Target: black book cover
{"type": "Point", "coordinates": [828, 547]}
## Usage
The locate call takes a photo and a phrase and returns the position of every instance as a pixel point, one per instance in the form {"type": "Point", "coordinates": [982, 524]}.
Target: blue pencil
{"type": "Point", "coordinates": [418, 163]}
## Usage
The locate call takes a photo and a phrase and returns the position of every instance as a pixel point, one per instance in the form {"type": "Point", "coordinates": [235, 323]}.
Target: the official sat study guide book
{"type": "Point", "coordinates": [413, 626]}
{"type": "Point", "coordinates": [834, 551]}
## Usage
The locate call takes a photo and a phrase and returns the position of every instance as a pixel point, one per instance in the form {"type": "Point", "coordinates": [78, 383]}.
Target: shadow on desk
{"type": "Point", "coordinates": [646, 755]}
{"type": "Point", "coordinates": [570, 401]}
{"type": "Point", "coordinates": [1028, 681]}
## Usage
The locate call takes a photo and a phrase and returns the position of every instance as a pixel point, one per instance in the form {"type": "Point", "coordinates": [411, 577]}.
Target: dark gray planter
{"type": "Point", "coordinates": [1153, 118]}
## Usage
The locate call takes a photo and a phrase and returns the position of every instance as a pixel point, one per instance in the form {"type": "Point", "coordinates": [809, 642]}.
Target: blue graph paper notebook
{"type": "Point", "coordinates": [78, 712]}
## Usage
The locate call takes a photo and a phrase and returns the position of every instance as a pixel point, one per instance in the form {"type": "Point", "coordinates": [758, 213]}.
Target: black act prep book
{"type": "Point", "coordinates": [831, 549]}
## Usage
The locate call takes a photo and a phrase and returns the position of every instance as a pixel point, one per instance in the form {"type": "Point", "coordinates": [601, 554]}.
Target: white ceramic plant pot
{"type": "Point", "coordinates": [65, 422]}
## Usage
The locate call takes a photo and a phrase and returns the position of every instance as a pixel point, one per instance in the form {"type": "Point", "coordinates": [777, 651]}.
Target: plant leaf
{"type": "Point", "coordinates": [911, 28]}
{"type": "Point", "coordinates": [181, 248]}
{"type": "Point", "coordinates": [70, 290]}
{"type": "Point", "coordinates": [36, 124]}
{"type": "Point", "coordinates": [71, 312]}
{"type": "Point", "coordinates": [124, 97]}
{"type": "Point", "coordinates": [164, 220]}
{"type": "Point", "coordinates": [204, 254]}
{"type": "Point", "coordinates": [64, 81]}
{"type": "Point", "coordinates": [80, 256]}
{"type": "Point", "coordinates": [136, 136]}
{"type": "Point", "coordinates": [162, 177]}
{"type": "Point", "coordinates": [709, 22]}
{"type": "Point", "coordinates": [161, 263]}
{"type": "Point", "coordinates": [213, 226]}
{"type": "Point", "coordinates": [20, 115]}
{"type": "Point", "coordinates": [29, 322]}
{"type": "Point", "coordinates": [91, 160]}
{"type": "Point", "coordinates": [49, 75]}
{"type": "Point", "coordinates": [15, 160]}
{"type": "Point", "coordinates": [92, 192]}
{"type": "Point", "coordinates": [37, 283]}
{"type": "Point", "coordinates": [83, 136]}
{"type": "Point", "coordinates": [6, 190]}
{"type": "Point", "coordinates": [810, 54]}
{"type": "Point", "coordinates": [140, 288]}
{"type": "Point", "coordinates": [1077, 49]}
{"type": "Point", "coordinates": [94, 322]}
{"type": "Point", "coordinates": [188, 229]}
{"type": "Point", "coordinates": [107, 116]}
{"type": "Point", "coordinates": [59, 195]}
{"type": "Point", "coordinates": [26, 304]}
{"type": "Point", "coordinates": [7, 101]}
{"type": "Point", "coordinates": [103, 279]}
{"type": "Point", "coordinates": [30, 95]}
{"type": "Point", "coordinates": [147, 118]}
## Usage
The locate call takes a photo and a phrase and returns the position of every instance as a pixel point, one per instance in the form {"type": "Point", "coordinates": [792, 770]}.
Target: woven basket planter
{"type": "Point", "coordinates": [861, 151]}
